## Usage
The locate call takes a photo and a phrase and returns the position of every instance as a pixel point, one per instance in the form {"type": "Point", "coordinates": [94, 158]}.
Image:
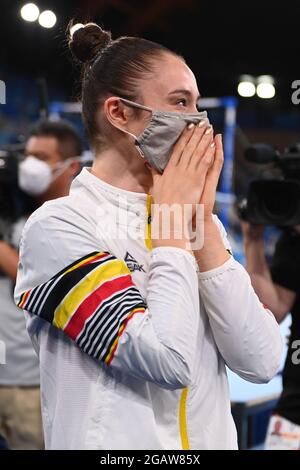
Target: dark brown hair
{"type": "Point", "coordinates": [111, 68]}
{"type": "Point", "coordinates": [68, 139]}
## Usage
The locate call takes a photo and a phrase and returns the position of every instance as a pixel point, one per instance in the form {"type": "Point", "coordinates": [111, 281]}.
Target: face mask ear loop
{"type": "Point", "coordinates": [136, 105]}
{"type": "Point", "coordinates": [134, 137]}
{"type": "Point", "coordinates": [62, 167]}
{"type": "Point", "coordinates": [126, 132]}
{"type": "Point", "coordinates": [139, 150]}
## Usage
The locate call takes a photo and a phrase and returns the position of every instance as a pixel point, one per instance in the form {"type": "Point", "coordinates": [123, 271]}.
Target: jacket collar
{"type": "Point", "coordinates": [128, 200]}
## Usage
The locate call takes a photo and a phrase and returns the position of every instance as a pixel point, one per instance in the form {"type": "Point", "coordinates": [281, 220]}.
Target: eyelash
{"type": "Point", "coordinates": [185, 104]}
{"type": "Point", "coordinates": [182, 100]}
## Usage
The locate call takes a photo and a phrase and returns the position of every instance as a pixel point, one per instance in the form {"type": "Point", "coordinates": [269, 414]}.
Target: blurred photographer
{"type": "Point", "coordinates": [278, 286]}
{"type": "Point", "coordinates": [274, 199]}
{"type": "Point", "coordinates": [51, 162]}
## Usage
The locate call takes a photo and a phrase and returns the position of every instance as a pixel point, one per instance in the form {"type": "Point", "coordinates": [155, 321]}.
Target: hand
{"type": "Point", "coordinates": [252, 232]}
{"type": "Point", "coordinates": [184, 178]}
{"type": "Point", "coordinates": [212, 253]}
{"type": "Point", "coordinates": [209, 193]}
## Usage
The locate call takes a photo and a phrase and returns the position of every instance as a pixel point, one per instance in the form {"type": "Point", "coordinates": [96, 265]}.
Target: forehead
{"type": "Point", "coordinates": [170, 73]}
{"type": "Point", "coordinates": [41, 145]}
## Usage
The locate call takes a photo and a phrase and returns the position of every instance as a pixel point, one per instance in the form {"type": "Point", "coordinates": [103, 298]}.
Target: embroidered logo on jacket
{"type": "Point", "coordinates": [132, 263]}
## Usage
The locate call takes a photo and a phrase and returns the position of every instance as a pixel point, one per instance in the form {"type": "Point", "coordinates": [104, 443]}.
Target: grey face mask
{"type": "Point", "coordinates": [157, 141]}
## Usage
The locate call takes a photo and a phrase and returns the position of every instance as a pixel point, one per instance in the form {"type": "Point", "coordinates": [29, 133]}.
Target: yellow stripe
{"type": "Point", "coordinates": [71, 302]}
{"type": "Point", "coordinates": [148, 240]}
{"type": "Point", "coordinates": [77, 265]}
{"type": "Point", "coordinates": [23, 299]}
{"type": "Point", "coordinates": [182, 406]}
{"type": "Point", "coordinates": [182, 421]}
{"type": "Point", "coordinates": [82, 262]}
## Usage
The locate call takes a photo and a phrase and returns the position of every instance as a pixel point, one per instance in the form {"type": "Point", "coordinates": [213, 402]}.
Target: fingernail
{"type": "Point", "coordinates": [191, 125]}
{"type": "Point", "coordinates": [212, 145]}
{"type": "Point", "coordinates": [201, 123]}
{"type": "Point", "coordinates": [208, 130]}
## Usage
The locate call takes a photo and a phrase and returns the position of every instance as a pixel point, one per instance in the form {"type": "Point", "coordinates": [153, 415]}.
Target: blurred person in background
{"type": "Point", "coordinates": [278, 286]}
{"type": "Point", "coordinates": [50, 164]}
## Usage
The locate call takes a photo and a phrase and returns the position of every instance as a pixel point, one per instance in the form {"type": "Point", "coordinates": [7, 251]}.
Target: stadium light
{"type": "Point", "coordinates": [30, 12]}
{"type": "Point", "coordinates": [75, 27]}
{"type": "Point", "coordinates": [47, 19]}
{"type": "Point", "coordinates": [265, 87]}
{"type": "Point", "coordinates": [246, 86]}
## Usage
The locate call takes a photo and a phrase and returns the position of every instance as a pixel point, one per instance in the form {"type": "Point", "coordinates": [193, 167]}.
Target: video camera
{"type": "Point", "coordinates": [274, 201]}
{"type": "Point", "coordinates": [13, 202]}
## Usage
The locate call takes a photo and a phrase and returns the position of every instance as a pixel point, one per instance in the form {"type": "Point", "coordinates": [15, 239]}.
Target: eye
{"type": "Point", "coordinates": [183, 100]}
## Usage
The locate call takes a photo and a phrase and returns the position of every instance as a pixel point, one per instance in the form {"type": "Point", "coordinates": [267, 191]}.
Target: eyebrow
{"type": "Point", "coordinates": [36, 154]}
{"type": "Point", "coordinates": [184, 92]}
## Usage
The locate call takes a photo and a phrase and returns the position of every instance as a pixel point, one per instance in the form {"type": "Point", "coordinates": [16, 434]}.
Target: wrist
{"type": "Point", "coordinates": [210, 229]}
{"type": "Point", "coordinates": [213, 252]}
{"type": "Point", "coordinates": [252, 241]}
{"type": "Point", "coordinates": [172, 242]}
{"type": "Point", "coordinates": [170, 231]}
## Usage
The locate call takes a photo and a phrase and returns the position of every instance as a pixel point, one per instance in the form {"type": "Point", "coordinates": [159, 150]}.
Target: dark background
{"type": "Point", "coordinates": [219, 39]}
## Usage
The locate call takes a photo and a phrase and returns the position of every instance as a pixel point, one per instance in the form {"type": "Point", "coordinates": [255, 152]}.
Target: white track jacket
{"type": "Point", "coordinates": [133, 341]}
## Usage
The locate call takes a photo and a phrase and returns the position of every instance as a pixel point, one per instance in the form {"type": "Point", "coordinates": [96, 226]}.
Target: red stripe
{"type": "Point", "coordinates": [23, 302]}
{"type": "Point", "coordinates": [95, 258]}
{"type": "Point", "coordinates": [93, 301]}
{"type": "Point", "coordinates": [121, 332]}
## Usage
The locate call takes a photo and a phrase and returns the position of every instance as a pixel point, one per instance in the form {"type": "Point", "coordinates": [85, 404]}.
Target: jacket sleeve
{"type": "Point", "coordinates": [245, 331]}
{"type": "Point", "coordinates": [67, 280]}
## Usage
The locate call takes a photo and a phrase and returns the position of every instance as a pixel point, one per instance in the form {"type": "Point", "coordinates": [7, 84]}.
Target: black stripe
{"type": "Point", "coordinates": [103, 331]}
{"type": "Point", "coordinates": [64, 285]}
{"type": "Point", "coordinates": [105, 321]}
{"type": "Point", "coordinates": [93, 253]}
{"type": "Point", "coordinates": [35, 295]}
{"type": "Point", "coordinates": [101, 343]}
{"type": "Point", "coordinates": [35, 292]}
{"type": "Point", "coordinates": [60, 273]}
{"type": "Point", "coordinates": [109, 346]}
{"type": "Point", "coordinates": [103, 309]}
{"type": "Point", "coordinates": [114, 325]}
{"type": "Point", "coordinates": [61, 289]}
{"type": "Point", "coordinates": [107, 309]}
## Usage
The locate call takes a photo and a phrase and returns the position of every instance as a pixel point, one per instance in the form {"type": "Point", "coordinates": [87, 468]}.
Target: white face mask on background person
{"type": "Point", "coordinates": [35, 175]}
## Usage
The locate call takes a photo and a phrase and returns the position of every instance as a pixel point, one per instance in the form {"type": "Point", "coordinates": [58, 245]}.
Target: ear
{"type": "Point", "coordinates": [74, 168]}
{"type": "Point", "coordinates": [116, 112]}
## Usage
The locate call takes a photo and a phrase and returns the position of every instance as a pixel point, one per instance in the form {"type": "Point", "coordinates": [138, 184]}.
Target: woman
{"type": "Point", "coordinates": [138, 328]}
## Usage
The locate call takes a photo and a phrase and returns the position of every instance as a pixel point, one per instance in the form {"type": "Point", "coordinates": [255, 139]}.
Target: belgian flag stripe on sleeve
{"type": "Point", "coordinates": [91, 300]}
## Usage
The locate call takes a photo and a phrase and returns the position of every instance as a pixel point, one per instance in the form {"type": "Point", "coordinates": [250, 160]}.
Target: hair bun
{"type": "Point", "coordinates": [88, 42]}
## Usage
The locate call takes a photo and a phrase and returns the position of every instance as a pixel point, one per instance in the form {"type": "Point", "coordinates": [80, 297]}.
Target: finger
{"type": "Point", "coordinates": [214, 170]}
{"type": "Point", "coordinates": [193, 143]}
{"type": "Point", "coordinates": [204, 164]}
{"type": "Point", "coordinates": [181, 144]}
{"type": "Point", "coordinates": [202, 169]}
{"type": "Point", "coordinates": [218, 160]}
{"type": "Point", "coordinates": [202, 147]}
